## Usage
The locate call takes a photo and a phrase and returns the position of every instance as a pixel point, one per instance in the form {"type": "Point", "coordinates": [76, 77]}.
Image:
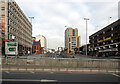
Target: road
{"type": "Point", "coordinates": [37, 77]}
{"type": "Point", "coordinates": [54, 56]}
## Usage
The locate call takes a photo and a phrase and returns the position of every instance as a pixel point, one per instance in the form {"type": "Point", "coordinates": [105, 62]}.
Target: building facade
{"type": "Point", "coordinates": [43, 42]}
{"type": "Point", "coordinates": [82, 49]}
{"type": "Point", "coordinates": [106, 42]}
{"type": "Point", "coordinates": [16, 25]}
{"type": "Point", "coordinates": [72, 40]}
{"type": "Point", "coordinates": [36, 47]}
{"type": "Point", "coordinates": [2, 30]}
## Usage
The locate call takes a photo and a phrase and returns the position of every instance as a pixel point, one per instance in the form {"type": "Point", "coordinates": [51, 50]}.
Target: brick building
{"type": "Point", "coordinates": [36, 47]}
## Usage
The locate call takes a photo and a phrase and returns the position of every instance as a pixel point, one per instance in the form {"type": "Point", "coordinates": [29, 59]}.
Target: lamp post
{"type": "Point", "coordinates": [86, 33]}
{"type": "Point", "coordinates": [31, 18]}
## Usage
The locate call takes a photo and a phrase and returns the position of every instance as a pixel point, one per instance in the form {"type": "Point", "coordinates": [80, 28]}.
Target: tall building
{"type": "Point", "coordinates": [106, 42]}
{"type": "Point", "coordinates": [15, 24]}
{"type": "Point", "coordinates": [43, 42]}
{"type": "Point", "coordinates": [72, 40]}
{"type": "Point", "coordinates": [1, 31]}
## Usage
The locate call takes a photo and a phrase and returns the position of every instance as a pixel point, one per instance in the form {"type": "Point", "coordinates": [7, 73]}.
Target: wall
{"type": "Point", "coordinates": [66, 64]}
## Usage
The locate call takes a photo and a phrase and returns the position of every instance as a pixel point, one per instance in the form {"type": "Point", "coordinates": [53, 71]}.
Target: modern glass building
{"type": "Point", "coordinates": [72, 40]}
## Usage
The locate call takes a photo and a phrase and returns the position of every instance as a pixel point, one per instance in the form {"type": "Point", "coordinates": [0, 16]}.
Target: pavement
{"type": "Point", "coordinates": [40, 77]}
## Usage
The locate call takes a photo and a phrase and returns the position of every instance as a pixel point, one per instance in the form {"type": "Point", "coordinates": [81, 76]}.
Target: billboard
{"type": "Point", "coordinates": [11, 48]}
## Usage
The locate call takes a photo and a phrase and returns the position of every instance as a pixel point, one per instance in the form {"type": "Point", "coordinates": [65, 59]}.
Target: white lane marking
{"type": "Point", "coordinates": [116, 75]}
{"type": "Point", "coordinates": [52, 72]}
{"type": "Point", "coordinates": [28, 80]}
{"type": "Point", "coordinates": [32, 72]}
{"type": "Point", "coordinates": [45, 80]}
{"type": "Point", "coordinates": [18, 73]}
{"type": "Point", "coordinates": [7, 72]}
{"type": "Point", "coordinates": [19, 80]}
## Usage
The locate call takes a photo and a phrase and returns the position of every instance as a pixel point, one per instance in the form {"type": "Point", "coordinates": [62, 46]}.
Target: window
{"type": "Point", "coordinates": [69, 43]}
{"type": "Point", "coordinates": [2, 15]}
{"type": "Point", "coordinates": [78, 42]}
{"type": "Point", "coordinates": [73, 32]}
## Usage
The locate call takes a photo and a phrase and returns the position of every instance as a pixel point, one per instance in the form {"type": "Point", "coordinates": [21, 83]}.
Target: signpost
{"type": "Point", "coordinates": [11, 48]}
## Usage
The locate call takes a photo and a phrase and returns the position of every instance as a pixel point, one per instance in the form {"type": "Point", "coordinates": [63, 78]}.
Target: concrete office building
{"type": "Point", "coordinates": [106, 42]}
{"type": "Point", "coordinates": [43, 42]}
{"type": "Point", "coordinates": [72, 40]}
{"type": "Point", "coordinates": [2, 29]}
{"type": "Point", "coordinates": [16, 25]}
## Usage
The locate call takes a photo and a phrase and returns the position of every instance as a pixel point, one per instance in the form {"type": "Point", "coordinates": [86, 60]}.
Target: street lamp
{"type": "Point", "coordinates": [31, 19]}
{"type": "Point", "coordinates": [86, 33]}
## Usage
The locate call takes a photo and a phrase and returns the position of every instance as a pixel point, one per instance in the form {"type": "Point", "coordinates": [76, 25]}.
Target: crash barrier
{"type": "Point", "coordinates": [38, 64]}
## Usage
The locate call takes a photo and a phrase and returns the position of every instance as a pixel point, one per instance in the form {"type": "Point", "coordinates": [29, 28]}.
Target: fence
{"type": "Point", "coordinates": [60, 65]}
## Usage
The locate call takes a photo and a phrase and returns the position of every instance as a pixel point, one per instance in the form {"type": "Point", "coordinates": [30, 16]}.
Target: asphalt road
{"type": "Point", "coordinates": [54, 56]}
{"type": "Point", "coordinates": [38, 77]}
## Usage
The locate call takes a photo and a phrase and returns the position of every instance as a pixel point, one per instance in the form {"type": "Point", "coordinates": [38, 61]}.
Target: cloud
{"type": "Point", "coordinates": [51, 16]}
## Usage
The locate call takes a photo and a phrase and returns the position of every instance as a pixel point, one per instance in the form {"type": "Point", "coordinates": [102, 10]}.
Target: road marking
{"type": "Point", "coordinates": [52, 72]}
{"type": "Point", "coordinates": [45, 80]}
{"type": "Point", "coordinates": [16, 72]}
{"type": "Point", "coordinates": [28, 80]}
{"type": "Point", "coordinates": [18, 80]}
{"type": "Point", "coordinates": [7, 72]}
{"type": "Point", "coordinates": [32, 72]}
{"type": "Point", "coordinates": [116, 75]}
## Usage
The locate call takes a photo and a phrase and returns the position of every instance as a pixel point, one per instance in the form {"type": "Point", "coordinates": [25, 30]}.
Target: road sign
{"type": "Point", "coordinates": [11, 48]}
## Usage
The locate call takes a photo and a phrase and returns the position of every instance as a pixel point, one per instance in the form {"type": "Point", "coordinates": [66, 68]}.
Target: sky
{"type": "Point", "coordinates": [51, 17]}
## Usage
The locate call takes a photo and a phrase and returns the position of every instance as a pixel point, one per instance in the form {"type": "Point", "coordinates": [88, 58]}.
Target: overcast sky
{"type": "Point", "coordinates": [51, 16]}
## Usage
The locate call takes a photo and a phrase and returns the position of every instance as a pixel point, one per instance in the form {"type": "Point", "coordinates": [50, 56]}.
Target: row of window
{"type": "Point", "coordinates": [106, 32]}
{"type": "Point", "coordinates": [106, 42]}
{"type": "Point", "coordinates": [17, 20]}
